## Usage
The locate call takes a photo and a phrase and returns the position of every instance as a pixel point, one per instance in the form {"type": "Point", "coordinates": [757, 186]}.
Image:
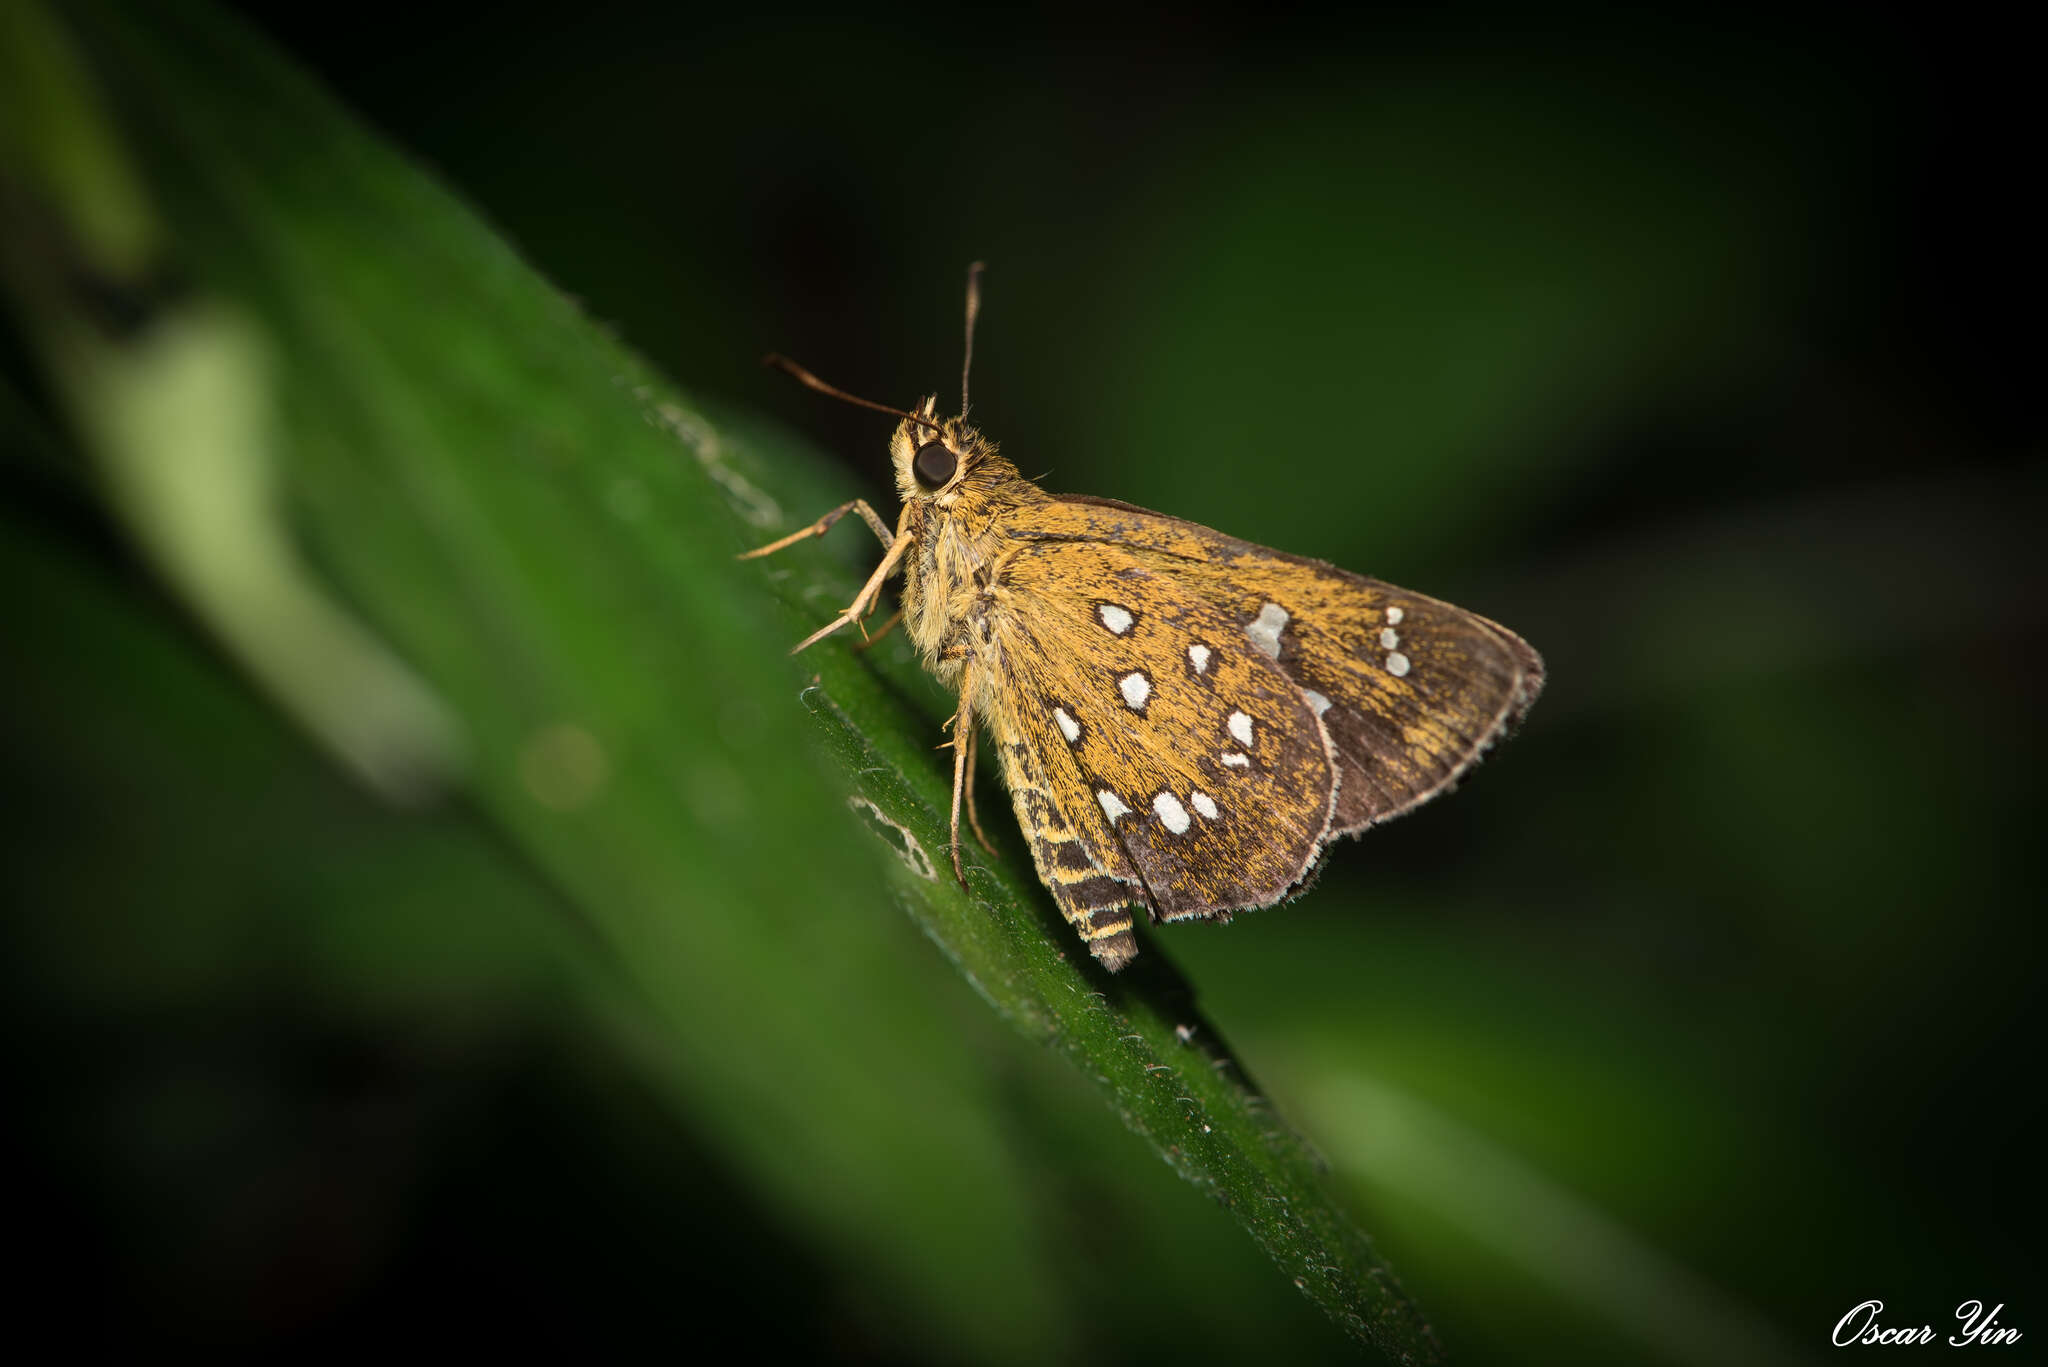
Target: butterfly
{"type": "Point", "coordinates": [1185, 721]}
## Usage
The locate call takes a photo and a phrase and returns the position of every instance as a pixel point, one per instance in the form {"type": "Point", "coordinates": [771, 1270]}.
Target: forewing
{"type": "Point", "coordinates": [1411, 690]}
{"type": "Point", "coordinates": [1184, 763]}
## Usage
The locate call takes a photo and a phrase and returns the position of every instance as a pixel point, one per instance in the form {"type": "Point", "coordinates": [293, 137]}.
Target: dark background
{"type": "Point", "coordinates": [1698, 352]}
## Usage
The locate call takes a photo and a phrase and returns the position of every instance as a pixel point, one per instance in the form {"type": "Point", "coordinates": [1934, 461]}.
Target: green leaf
{"type": "Point", "coordinates": [469, 542]}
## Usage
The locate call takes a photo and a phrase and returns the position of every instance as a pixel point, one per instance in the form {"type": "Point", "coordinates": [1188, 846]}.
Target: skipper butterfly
{"type": "Point", "coordinates": [1185, 721]}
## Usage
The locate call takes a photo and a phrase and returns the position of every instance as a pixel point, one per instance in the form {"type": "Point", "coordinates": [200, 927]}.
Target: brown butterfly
{"type": "Point", "coordinates": [1184, 720]}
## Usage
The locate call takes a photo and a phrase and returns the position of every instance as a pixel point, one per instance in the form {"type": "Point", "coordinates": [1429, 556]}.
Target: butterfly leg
{"type": "Point", "coordinates": [963, 749]}
{"type": "Point", "coordinates": [862, 601]}
{"type": "Point", "coordinates": [879, 632]}
{"type": "Point", "coordinates": [973, 816]}
{"type": "Point", "coordinates": [824, 525]}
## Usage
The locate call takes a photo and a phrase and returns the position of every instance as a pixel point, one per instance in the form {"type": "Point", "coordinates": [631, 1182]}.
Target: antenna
{"type": "Point", "coordinates": [973, 311]}
{"type": "Point", "coordinates": [805, 378]}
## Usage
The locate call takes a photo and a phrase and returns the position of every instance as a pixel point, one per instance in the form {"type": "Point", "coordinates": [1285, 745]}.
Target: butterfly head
{"type": "Point", "coordinates": [941, 461]}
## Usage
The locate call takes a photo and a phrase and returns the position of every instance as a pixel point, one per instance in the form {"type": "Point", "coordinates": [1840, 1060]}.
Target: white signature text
{"type": "Point", "coordinates": [1980, 1328]}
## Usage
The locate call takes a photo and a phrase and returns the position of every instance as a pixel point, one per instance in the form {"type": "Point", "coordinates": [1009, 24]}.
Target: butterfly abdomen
{"type": "Point", "coordinates": [1095, 901]}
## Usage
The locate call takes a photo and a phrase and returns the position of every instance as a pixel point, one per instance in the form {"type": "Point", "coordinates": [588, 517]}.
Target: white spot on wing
{"type": "Point", "coordinates": [1198, 656]}
{"type": "Point", "coordinates": [1390, 639]}
{"type": "Point", "coordinates": [1204, 804]}
{"type": "Point", "coordinates": [1241, 728]}
{"type": "Point", "coordinates": [1112, 805]}
{"type": "Point", "coordinates": [1234, 760]}
{"type": "Point", "coordinates": [1316, 700]}
{"type": "Point", "coordinates": [1397, 664]}
{"type": "Point", "coordinates": [1116, 618]}
{"type": "Point", "coordinates": [1394, 616]}
{"type": "Point", "coordinates": [1069, 728]}
{"type": "Point", "coordinates": [1136, 688]}
{"type": "Point", "coordinates": [1265, 629]}
{"type": "Point", "coordinates": [1171, 812]}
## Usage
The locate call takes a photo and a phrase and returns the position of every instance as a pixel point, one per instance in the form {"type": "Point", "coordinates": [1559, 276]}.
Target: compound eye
{"type": "Point", "coordinates": [934, 464]}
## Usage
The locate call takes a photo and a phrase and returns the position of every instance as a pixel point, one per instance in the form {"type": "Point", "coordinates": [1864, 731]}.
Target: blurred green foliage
{"type": "Point", "coordinates": [1696, 1019]}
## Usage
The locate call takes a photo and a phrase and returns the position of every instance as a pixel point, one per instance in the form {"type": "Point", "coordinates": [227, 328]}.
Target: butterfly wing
{"type": "Point", "coordinates": [1413, 690]}
{"type": "Point", "coordinates": [1155, 755]}
{"type": "Point", "coordinates": [1405, 692]}
{"type": "Point", "coordinates": [1417, 690]}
